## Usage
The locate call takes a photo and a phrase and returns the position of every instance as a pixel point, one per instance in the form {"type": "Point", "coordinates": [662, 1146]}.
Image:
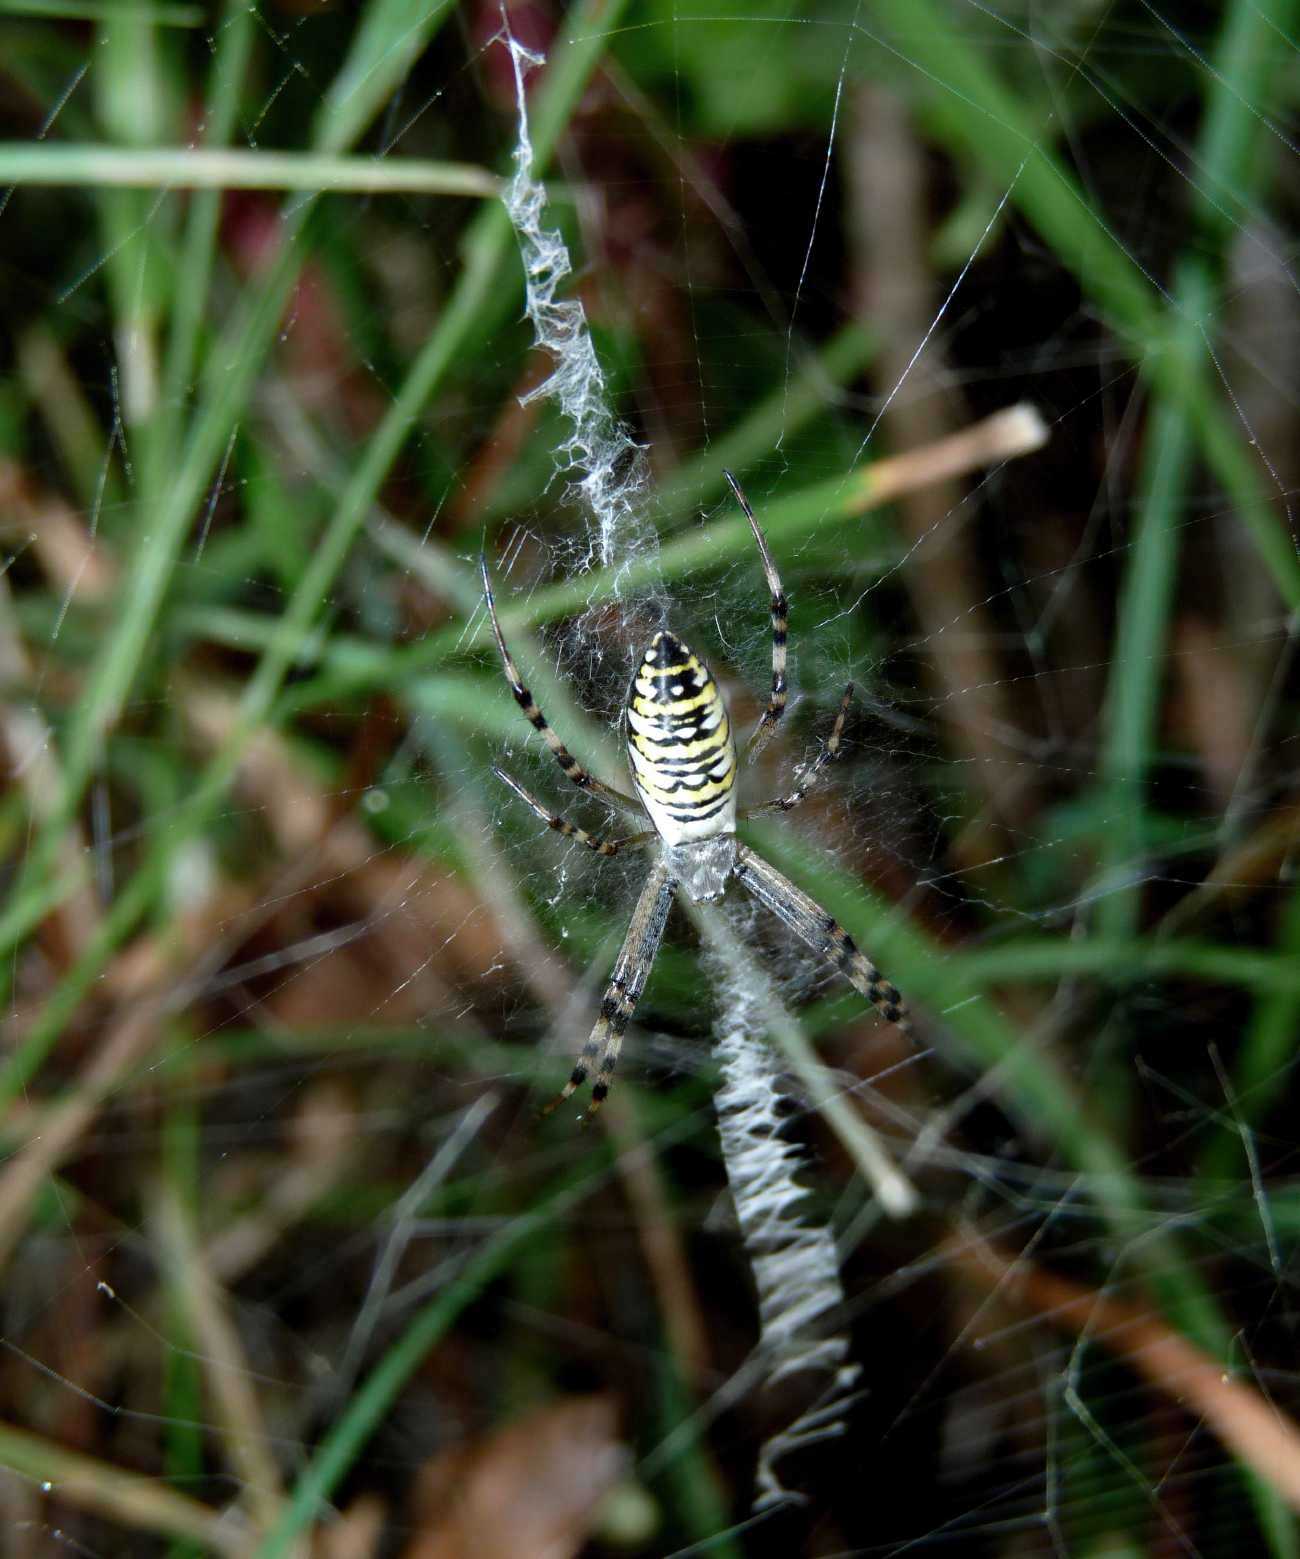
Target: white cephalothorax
{"type": "Point", "coordinates": [682, 756]}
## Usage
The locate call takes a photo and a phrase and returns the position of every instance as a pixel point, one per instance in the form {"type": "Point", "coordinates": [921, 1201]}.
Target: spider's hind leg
{"type": "Point", "coordinates": [844, 953]}
{"type": "Point", "coordinates": [569, 765]}
{"type": "Point", "coordinates": [823, 933]}
{"type": "Point", "coordinates": [631, 970]}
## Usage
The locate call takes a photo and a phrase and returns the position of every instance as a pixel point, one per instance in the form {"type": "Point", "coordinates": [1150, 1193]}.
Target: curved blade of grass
{"type": "Point", "coordinates": [387, 42]}
{"type": "Point", "coordinates": [1137, 670]}
{"type": "Point", "coordinates": [1031, 959]}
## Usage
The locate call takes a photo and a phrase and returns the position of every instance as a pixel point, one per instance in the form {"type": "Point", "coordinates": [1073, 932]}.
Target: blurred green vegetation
{"type": "Point", "coordinates": [288, 1257]}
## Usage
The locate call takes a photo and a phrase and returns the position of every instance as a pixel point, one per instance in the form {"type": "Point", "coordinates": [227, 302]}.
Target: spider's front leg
{"type": "Point", "coordinates": [822, 932]}
{"type": "Point", "coordinates": [569, 765]}
{"type": "Point", "coordinates": [780, 630]}
{"type": "Point", "coordinates": [631, 970]}
{"type": "Point", "coordinates": [813, 772]}
{"type": "Point", "coordinates": [570, 830]}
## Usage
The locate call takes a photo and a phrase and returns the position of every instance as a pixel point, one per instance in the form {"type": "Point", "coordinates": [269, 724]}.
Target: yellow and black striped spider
{"type": "Point", "coordinates": [682, 757]}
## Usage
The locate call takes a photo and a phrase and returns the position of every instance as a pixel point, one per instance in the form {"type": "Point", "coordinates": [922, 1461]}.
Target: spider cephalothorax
{"type": "Point", "coordinates": [682, 755]}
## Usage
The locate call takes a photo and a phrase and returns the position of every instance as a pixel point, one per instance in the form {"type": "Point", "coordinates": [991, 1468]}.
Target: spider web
{"type": "Point", "coordinates": [994, 313]}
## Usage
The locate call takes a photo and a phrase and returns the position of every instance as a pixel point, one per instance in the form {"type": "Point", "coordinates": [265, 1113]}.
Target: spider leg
{"type": "Point", "coordinates": [780, 629]}
{"type": "Point", "coordinates": [822, 932]}
{"type": "Point", "coordinates": [571, 830]}
{"type": "Point", "coordinates": [572, 769]}
{"type": "Point", "coordinates": [631, 971]}
{"type": "Point", "coordinates": [810, 775]}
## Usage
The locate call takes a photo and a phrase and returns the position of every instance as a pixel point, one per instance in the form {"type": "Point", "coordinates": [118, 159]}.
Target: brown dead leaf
{"type": "Point", "coordinates": [356, 1534]}
{"type": "Point", "coordinates": [530, 1489]}
{"type": "Point", "coordinates": [72, 559]}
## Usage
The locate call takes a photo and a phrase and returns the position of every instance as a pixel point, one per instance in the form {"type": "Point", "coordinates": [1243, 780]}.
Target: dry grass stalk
{"type": "Point", "coordinates": [118, 1495]}
{"type": "Point", "coordinates": [1247, 1423]}
{"type": "Point", "coordinates": [225, 1364]}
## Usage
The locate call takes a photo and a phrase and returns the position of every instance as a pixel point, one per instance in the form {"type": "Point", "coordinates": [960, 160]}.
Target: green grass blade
{"type": "Point", "coordinates": [234, 43]}
{"type": "Point", "coordinates": [212, 167]}
{"type": "Point", "coordinates": [1033, 959]}
{"type": "Point", "coordinates": [1146, 599]}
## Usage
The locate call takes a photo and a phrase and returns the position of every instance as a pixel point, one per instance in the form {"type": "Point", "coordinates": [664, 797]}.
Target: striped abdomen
{"type": "Point", "coordinates": [680, 745]}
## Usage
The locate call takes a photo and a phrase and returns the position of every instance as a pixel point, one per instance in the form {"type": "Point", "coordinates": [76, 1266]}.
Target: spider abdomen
{"type": "Point", "coordinates": [679, 743]}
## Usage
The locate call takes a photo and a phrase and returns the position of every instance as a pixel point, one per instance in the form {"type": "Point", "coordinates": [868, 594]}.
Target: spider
{"type": "Point", "coordinates": [682, 757]}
